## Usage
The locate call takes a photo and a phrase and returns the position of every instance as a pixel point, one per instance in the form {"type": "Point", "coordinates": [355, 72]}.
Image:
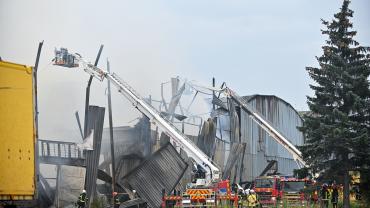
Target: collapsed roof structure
{"type": "Point", "coordinates": [238, 134]}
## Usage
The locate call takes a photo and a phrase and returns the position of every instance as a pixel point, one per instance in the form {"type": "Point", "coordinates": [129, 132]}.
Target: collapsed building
{"type": "Point", "coordinates": [133, 144]}
{"type": "Point", "coordinates": [228, 135]}
{"type": "Point", "coordinates": [239, 146]}
{"type": "Point", "coordinates": [239, 138]}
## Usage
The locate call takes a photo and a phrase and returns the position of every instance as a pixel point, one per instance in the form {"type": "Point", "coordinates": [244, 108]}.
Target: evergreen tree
{"type": "Point", "coordinates": [337, 129]}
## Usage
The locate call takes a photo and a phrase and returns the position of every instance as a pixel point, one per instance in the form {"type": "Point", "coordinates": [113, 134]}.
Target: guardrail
{"type": "Point", "coordinates": [60, 152]}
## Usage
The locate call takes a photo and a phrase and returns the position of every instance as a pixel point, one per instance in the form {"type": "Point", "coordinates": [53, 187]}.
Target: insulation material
{"type": "Point", "coordinates": [206, 139]}
{"type": "Point", "coordinates": [219, 155]}
{"type": "Point", "coordinates": [234, 123]}
{"type": "Point", "coordinates": [235, 153]}
{"type": "Point", "coordinates": [70, 183]}
{"type": "Point", "coordinates": [95, 123]}
{"type": "Point", "coordinates": [162, 170]}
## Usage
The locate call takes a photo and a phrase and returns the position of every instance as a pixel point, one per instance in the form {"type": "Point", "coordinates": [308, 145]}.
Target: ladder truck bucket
{"type": "Point", "coordinates": [65, 59]}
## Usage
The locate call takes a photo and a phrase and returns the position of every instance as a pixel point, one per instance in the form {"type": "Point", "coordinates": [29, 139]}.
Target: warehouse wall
{"type": "Point", "coordinates": [260, 146]}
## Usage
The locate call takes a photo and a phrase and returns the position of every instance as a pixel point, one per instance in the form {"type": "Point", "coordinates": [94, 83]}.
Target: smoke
{"type": "Point", "coordinates": [141, 52]}
{"type": "Point", "coordinates": [152, 41]}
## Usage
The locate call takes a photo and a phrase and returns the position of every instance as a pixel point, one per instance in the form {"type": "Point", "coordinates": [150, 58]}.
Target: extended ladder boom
{"type": "Point", "coordinates": [212, 171]}
{"type": "Point", "coordinates": [280, 138]}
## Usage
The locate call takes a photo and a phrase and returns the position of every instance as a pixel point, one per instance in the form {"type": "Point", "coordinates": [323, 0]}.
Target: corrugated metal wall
{"type": "Point", "coordinates": [260, 146]}
{"type": "Point", "coordinates": [95, 122]}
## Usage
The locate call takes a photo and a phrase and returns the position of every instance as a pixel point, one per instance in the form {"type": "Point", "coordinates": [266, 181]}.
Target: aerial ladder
{"type": "Point", "coordinates": [212, 172]}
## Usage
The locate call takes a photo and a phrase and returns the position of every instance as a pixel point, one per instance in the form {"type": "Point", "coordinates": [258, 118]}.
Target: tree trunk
{"type": "Point", "coordinates": [346, 203]}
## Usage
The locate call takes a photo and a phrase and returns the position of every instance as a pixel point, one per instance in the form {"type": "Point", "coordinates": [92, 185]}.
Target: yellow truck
{"type": "Point", "coordinates": [17, 133]}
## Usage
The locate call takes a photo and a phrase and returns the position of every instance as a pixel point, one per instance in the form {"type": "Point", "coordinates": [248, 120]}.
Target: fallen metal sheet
{"type": "Point", "coordinates": [206, 139]}
{"type": "Point", "coordinates": [175, 100]}
{"type": "Point", "coordinates": [107, 178]}
{"type": "Point", "coordinates": [131, 202]}
{"type": "Point", "coordinates": [95, 123]}
{"type": "Point", "coordinates": [235, 153]}
{"type": "Point", "coordinates": [162, 170]}
{"type": "Point", "coordinates": [126, 164]}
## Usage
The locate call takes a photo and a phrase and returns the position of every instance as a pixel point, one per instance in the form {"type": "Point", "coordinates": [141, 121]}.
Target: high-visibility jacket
{"type": "Point", "coordinates": [117, 201]}
{"type": "Point", "coordinates": [252, 200]}
{"type": "Point", "coordinates": [325, 194]}
{"type": "Point", "coordinates": [82, 198]}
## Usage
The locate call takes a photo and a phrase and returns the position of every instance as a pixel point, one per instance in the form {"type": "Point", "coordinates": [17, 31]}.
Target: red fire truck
{"type": "Point", "coordinates": [268, 189]}
{"type": "Point", "coordinates": [280, 190]}
{"type": "Point", "coordinates": [292, 192]}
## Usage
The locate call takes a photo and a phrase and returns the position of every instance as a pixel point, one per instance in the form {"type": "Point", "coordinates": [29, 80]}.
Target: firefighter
{"type": "Point", "coordinates": [117, 202]}
{"type": "Point", "coordinates": [244, 198]}
{"type": "Point", "coordinates": [82, 199]}
{"type": "Point", "coordinates": [324, 196]}
{"type": "Point", "coordinates": [134, 193]}
{"type": "Point", "coordinates": [252, 199]}
{"type": "Point", "coordinates": [334, 196]}
{"type": "Point", "coordinates": [234, 188]}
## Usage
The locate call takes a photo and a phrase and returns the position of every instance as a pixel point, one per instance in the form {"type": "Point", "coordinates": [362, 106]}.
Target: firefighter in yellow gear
{"type": "Point", "coordinates": [252, 199]}
{"type": "Point", "coordinates": [244, 198]}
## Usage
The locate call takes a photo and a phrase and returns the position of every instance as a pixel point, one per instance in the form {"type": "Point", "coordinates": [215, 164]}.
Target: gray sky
{"type": "Point", "coordinates": [257, 47]}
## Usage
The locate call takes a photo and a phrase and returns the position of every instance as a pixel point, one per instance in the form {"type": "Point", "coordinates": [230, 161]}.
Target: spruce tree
{"type": "Point", "coordinates": [337, 129]}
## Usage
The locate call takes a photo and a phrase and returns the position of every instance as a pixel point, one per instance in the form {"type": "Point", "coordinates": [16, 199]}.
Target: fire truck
{"type": "Point", "coordinates": [280, 190]}
{"type": "Point", "coordinates": [292, 192]}
{"type": "Point", "coordinates": [268, 189]}
{"type": "Point", "coordinates": [220, 195]}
